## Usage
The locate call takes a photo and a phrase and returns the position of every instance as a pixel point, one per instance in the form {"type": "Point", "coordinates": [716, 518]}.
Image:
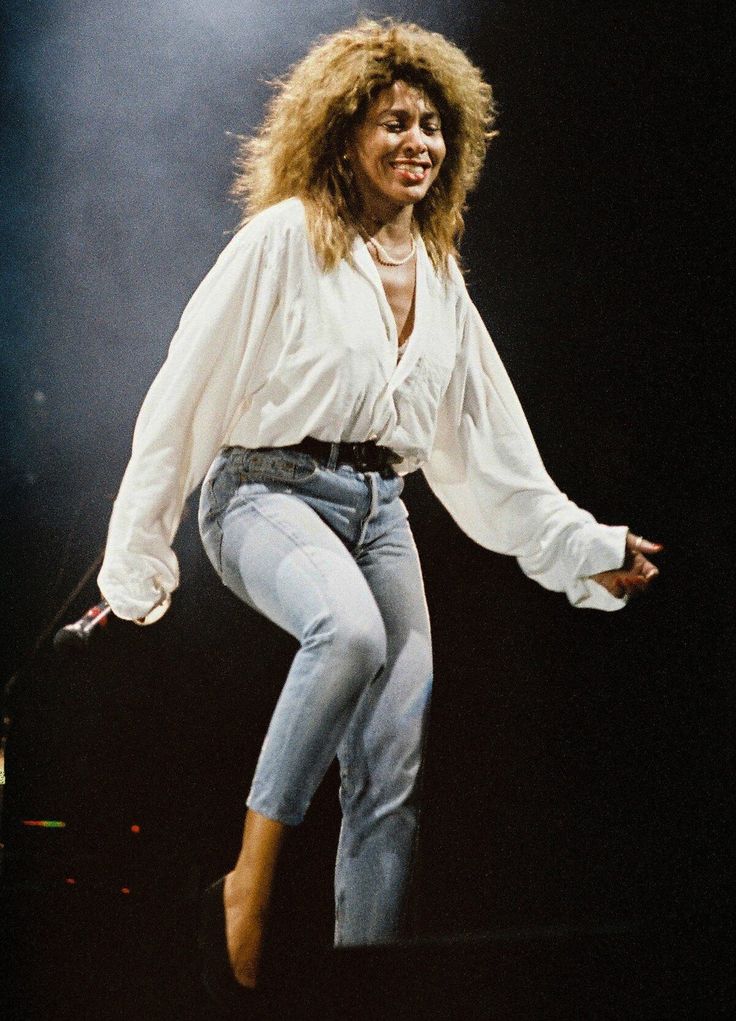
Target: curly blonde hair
{"type": "Point", "coordinates": [299, 147]}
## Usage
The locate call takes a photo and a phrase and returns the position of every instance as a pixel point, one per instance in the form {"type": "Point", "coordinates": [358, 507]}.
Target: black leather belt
{"type": "Point", "coordinates": [364, 457]}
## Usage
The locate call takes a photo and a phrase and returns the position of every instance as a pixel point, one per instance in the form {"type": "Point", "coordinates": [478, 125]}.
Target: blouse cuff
{"type": "Point", "coordinates": [143, 601]}
{"type": "Point", "coordinates": [587, 594]}
{"type": "Point", "coordinates": [606, 554]}
{"type": "Point", "coordinates": [606, 549]}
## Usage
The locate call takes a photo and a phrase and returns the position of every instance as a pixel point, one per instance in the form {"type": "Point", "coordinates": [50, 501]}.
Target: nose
{"type": "Point", "coordinates": [414, 140]}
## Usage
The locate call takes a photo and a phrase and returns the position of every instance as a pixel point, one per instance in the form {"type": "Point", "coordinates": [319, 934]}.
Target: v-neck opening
{"type": "Point", "coordinates": [401, 345]}
{"type": "Point", "coordinates": [363, 260]}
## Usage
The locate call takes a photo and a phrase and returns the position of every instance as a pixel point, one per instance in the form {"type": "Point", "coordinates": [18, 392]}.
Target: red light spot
{"type": "Point", "coordinates": [135, 828]}
{"type": "Point", "coordinates": [70, 881]}
{"type": "Point", "coordinates": [124, 889]}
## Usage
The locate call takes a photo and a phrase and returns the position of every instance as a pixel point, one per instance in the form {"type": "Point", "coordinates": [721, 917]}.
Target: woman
{"type": "Point", "coordinates": [332, 349]}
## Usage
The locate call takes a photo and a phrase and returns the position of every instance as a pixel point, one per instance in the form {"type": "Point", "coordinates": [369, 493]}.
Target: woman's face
{"type": "Point", "coordinates": [397, 150]}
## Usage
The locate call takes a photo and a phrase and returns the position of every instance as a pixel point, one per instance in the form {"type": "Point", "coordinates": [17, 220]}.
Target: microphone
{"type": "Point", "coordinates": [75, 637]}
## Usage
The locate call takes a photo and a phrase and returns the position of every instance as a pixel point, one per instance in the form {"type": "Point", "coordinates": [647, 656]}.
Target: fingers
{"type": "Point", "coordinates": [638, 544]}
{"type": "Point", "coordinates": [636, 573]}
{"type": "Point", "coordinates": [638, 578]}
{"type": "Point", "coordinates": [649, 571]}
{"type": "Point", "coordinates": [631, 585]}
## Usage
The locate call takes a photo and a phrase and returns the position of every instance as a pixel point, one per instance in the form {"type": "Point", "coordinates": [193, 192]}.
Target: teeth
{"type": "Point", "coordinates": [411, 170]}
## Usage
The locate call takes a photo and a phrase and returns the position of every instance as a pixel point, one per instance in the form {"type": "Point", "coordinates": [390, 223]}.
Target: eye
{"type": "Point", "coordinates": [432, 129]}
{"type": "Point", "coordinates": [392, 126]}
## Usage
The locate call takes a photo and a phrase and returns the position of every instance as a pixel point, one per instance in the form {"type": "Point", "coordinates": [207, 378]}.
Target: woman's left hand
{"type": "Point", "coordinates": [636, 572]}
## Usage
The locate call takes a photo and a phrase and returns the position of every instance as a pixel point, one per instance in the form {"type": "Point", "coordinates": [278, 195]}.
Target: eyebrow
{"type": "Point", "coordinates": [401, 111]}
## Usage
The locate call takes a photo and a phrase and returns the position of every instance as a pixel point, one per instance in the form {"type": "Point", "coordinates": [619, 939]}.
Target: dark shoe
{"type": "Point", "coordinates": [217, 973]}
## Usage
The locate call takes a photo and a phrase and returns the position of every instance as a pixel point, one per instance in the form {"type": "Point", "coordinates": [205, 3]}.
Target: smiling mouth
{"type": "Point", "coordinates": [412, 172]}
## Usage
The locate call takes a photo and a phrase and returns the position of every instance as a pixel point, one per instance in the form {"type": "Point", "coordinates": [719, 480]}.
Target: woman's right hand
{"type": "Point", "coordinates": [157, 610]}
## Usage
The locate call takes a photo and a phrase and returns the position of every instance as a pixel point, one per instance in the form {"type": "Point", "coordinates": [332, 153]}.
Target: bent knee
{"type": "Point", "coordinates": [363, 643]}
{"type": "Point", "coordinates": [357, 641]}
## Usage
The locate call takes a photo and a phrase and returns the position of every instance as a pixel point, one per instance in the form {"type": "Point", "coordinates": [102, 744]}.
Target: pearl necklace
{"type": "Point", "coordinates": [385, 259]}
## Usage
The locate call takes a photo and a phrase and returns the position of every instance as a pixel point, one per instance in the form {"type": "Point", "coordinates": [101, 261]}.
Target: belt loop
{"type": "Point", "coordinates": [334, 454]}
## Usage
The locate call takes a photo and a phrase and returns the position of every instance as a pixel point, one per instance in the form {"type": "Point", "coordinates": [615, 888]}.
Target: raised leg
{"type": "Point", "coordinates": [281, 558]}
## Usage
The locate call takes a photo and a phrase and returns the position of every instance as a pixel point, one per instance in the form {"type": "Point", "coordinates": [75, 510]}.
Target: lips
{"type": "Point", "coordinates": [411, 170]}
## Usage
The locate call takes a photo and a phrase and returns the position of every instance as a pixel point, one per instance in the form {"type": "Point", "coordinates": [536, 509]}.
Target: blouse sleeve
{"type": "Point", "coordinates": [186, 413]}
{"type": "Point", "coordinates": [486, 470]}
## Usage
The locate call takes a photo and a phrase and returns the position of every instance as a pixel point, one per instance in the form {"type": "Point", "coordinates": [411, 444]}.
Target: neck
{"type": "Point", "coordinates": [392, 228]}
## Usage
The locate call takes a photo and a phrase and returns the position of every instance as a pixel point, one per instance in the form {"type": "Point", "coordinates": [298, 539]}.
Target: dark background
{"type": "Point", "coordinates": [577, 762]}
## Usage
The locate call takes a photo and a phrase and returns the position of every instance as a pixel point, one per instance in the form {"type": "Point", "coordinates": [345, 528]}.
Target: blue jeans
{"type": "Point", "coordinates": [327, 554]}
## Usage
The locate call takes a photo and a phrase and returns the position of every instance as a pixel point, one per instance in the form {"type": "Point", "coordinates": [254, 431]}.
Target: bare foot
{"type": "Point", "coordinates": [244, 932]}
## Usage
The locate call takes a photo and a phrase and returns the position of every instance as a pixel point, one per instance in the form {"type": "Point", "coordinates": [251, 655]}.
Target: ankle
{"type": "Point", "coordinates": [241, 896]}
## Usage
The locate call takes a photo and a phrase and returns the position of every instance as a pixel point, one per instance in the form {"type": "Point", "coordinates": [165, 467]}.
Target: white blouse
{"type": "Point", "coordinates": [271, 349]}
